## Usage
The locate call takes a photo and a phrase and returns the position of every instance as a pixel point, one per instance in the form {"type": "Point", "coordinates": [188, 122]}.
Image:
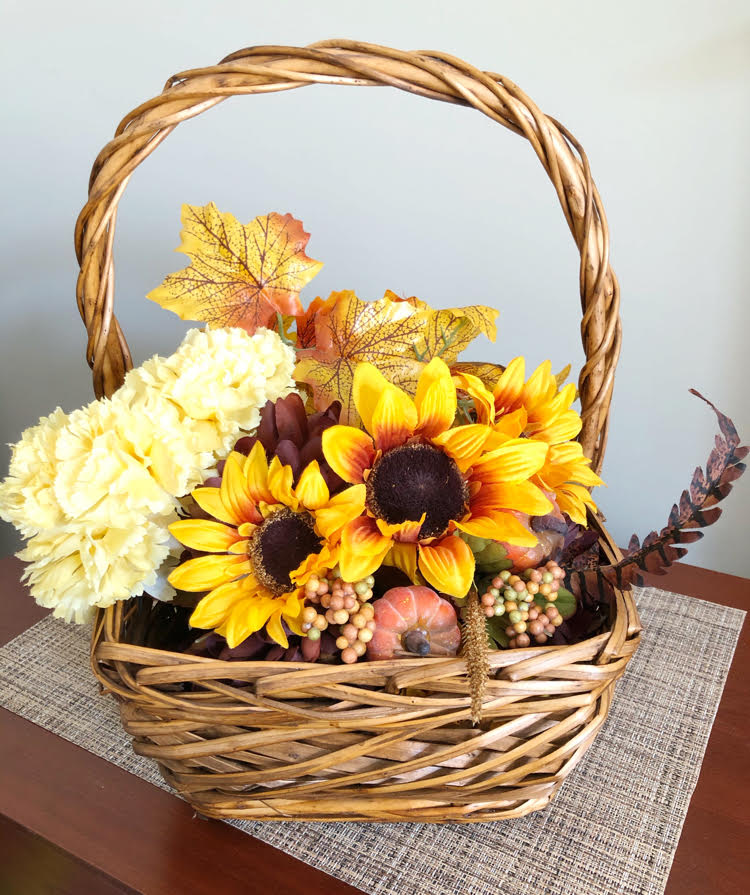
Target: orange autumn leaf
{"type": "Point", "coordinates": [398, 336]}
{"type": "Point", "coordinates": [239, 275]}
{"type": "Point", "coordinates": [306, 321]}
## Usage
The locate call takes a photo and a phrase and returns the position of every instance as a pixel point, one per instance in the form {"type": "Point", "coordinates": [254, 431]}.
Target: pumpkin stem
{"type": "Point", "coordinates": [416, 641]}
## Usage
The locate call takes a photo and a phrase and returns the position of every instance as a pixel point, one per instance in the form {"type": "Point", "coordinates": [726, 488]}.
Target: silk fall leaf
{"type": "Point", "coordinates": [239, 275]}
{"type": "Point", "coordinates": [399, 336]}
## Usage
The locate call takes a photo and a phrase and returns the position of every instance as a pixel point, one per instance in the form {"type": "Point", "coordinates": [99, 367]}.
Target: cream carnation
{"type": "Point", "coordinates": [27, 497]}
{"type": "Point", "coordinates": [95, 490]}
{"type": "Point", "coordinates": [74, 568]}
{"type": "Point", "coordinates": [223, 377]}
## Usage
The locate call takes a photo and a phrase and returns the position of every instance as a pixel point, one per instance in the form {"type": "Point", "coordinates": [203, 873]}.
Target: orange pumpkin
{"type": "Point", "coordinates": [413, 621]}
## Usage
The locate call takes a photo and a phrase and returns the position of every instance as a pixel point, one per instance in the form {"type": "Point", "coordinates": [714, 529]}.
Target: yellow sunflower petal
{"type": "Point", "coordinates": [541, 387]}
{"type": "Point", "coordinates": [516, 460]}
{"type": "Point", "coordinates": [363, 549]}
{"type": "Point", "coordinates": [512, 424]}
{"type": "Point", "coordinates": [403, 532]}
{"type": "Point", "coordinates": [349, 452]}
{"type": "Point", "coordinates": [314, 563]}
{"type": "Point", "coordinates": [403, 557]}
{"type": "Point", "coordinates": [247, 617]}
{"type": "Point", "coordinates": [484, 403]}
{"type": "Point", "coordinates": [394, 419]}
{"type": "Point", "coordinates": [311, 489]}
{"type": "Point", "coordinates": [207, 572]}
{"type": "Point", "coordinates": [340, 509]}
{"type": "Point", "coordinates": [275, 629]}
{"type": "Point", "coordinates": [448, 565]}
{"type": "Point", "coordinates": [205, 535]}
{"type": "Point", "coordinates": [280, 480]}
{"type": "Point", "coordinates": [255, 470]}
{"type": "Point", "coordinates": [292, 611]}
{"type": "Point", "coordinates": [524, 497]}
{"type": "Point", "coordinates": [235, 493]}
{"type": "Point", "coordinates": [435, 399]}
{"type": "Point", "coordinates": [509, 387]}
{"type": "Point", "coordinates": [573, 500]}
{"type": "Point", "coordinates": [216, 606]}
{"type": "Point", "coordinates": [464, 443]}
{"type": "Point", "coordinates": [209, 499]}
{"type": "Point", "coordinates": [499, 526]}
{"type": "Point", "coordinates": [367, 387]}
{"type": "Point", "coordinates": [247, 529]}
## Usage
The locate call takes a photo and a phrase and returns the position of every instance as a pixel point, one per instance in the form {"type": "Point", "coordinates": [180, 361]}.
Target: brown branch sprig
{"type": "Point", "coordinates": [695, 509]}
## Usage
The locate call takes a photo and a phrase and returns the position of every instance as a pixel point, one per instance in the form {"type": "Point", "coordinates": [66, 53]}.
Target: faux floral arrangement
{"type": "Point", "coordinates": [331, 483]}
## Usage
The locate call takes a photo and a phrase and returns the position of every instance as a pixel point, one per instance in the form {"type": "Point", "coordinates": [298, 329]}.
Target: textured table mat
{"type": "Point", "coordinates": [612, 830]}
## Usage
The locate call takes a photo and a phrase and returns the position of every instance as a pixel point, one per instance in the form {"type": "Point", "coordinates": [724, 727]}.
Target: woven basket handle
{"type": "Point", "coordinates": [429, 74]}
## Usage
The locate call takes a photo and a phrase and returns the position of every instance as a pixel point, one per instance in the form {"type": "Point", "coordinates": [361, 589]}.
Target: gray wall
{"type": "Point", "coordinates": [420, 197]}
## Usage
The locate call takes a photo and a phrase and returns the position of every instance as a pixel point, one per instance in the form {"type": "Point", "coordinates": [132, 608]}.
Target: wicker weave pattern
{"type": "Point", "coordinates": [433, 75]}
{"type": "Point", "coordinates": [378, 741]}
{"type": "Point", "coordinates": [381, 741]}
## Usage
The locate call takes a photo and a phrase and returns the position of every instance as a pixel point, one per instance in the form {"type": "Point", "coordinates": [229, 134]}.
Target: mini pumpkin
{"type": "Point", "coordinates": [413, 621]}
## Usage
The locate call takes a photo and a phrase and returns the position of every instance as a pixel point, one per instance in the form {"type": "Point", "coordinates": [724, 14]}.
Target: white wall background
{"type": "Point", "coordinates": [420, 197]}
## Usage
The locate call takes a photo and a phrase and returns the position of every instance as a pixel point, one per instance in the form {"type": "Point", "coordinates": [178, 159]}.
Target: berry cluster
{"type": "Point", "coordinates": [514, 595]}
{"type": "Point", "coordinates": [540, 624]}
{"type": "Point", "coordinates": [347, 612]}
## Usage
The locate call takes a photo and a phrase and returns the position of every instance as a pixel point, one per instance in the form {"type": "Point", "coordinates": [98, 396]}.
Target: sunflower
{"type": "Point", "coordinates": [539, 409]}
{"type": "Point", "coordinates": [425, 481]}
{"type": "Point", "coordinates": [266, 538]}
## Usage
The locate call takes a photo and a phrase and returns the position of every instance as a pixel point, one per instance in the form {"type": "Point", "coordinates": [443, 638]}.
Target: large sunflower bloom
{"type": "Point", "coordinates": [538, 408]}
{"type": "Point", "coordinates": [264, 541]}
{"type": "Point", "coordinates": [425, 480]}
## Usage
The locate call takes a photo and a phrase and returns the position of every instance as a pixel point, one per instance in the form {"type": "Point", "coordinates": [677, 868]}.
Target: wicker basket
{"type": "Point", "coordinates": [379, 741]}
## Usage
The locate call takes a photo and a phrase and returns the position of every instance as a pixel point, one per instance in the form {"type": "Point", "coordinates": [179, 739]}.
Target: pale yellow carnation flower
{"type": "Point", "coordinates": [74, 568]}
{"type": "Point", "coordinates": [96, 489]}
{"type": "Point", "coordinates": [223, 377]}
{"type": "Point", "coordinates": [27, 497]}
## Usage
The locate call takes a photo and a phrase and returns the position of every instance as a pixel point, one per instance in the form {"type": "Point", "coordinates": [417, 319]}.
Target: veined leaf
{"type": "Point", "coordinates": [239, 275]}
{"type": "Point", "coordinates": [398, 335]}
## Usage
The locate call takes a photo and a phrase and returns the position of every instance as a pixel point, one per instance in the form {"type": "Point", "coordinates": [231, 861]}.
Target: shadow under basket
{"type": "Point", "coordinates": [373, 741]}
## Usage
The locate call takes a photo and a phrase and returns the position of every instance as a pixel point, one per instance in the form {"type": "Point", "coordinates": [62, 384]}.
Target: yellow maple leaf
{"type": "Point", "coordinates": [489, 373]}
{"type": "Point", "coordinates": [239, 275]}
{"type": "Point", "coordinates": [398, 335]}
{"type": "Point", "coordinates": [447, 331]}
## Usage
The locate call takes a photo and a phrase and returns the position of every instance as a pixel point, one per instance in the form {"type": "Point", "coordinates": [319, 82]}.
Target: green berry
{"type": "Point", "coordinates": [313, 634]}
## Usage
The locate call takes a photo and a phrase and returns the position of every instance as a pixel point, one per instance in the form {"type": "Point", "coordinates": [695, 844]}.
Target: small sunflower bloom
{"type": "Point", "coordinates": [539, 409]}
{"type": "Point", "coordinates": [266, 538]}
{"type": "Point", "coordinates": [426, 479]}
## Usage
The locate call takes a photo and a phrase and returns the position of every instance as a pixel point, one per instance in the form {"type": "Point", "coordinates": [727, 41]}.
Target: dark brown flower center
{"type": "Point", "coordinates": [281, 543]}
{"type": "Point", "coordinates": [416, 479]}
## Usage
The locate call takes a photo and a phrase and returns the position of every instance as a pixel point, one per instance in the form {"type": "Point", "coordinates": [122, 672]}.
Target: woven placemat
{"type": "Point", "coordinates": [612, 830]}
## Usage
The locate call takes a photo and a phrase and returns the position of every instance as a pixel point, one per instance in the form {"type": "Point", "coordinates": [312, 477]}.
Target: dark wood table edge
{"type": "Point", "coordinates": [173, 851]}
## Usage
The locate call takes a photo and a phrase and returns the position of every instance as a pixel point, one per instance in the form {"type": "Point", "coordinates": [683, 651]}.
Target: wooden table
{"type": "Point", "coordinates": [73, 824]}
